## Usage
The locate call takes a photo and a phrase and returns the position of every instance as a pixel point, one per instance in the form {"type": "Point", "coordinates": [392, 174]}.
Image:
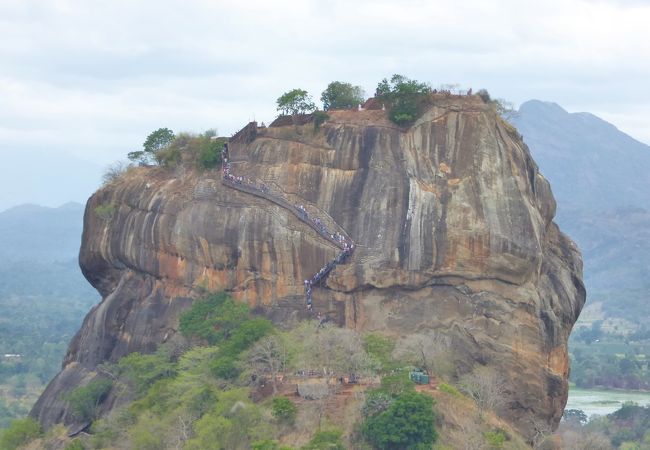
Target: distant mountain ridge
{"type": "Point", "coordinates": [43, 298]}
{"type": "Point", "coordinates": [37, 175]}
{"type": "Point", "coordinates": [600, 177]}
{"type": "Point", "coordinates": [31, 232]}
{"type": "Point", "coordinates": [589, 162]}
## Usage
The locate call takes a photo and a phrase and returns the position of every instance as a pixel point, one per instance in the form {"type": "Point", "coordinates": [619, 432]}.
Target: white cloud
{"type": "Point", "coordinates": [91, 79]}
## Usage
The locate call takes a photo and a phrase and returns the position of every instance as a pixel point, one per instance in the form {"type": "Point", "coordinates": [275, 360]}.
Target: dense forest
{"type": "Point", "coordinates": [610, 360]}
{"type": "Point", "coordinates": [43, 299]}
{"type": "Point", "coordinates": [35, 329]}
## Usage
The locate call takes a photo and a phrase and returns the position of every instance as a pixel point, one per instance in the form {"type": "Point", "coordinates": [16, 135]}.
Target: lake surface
{"type": "Point", "coordinates": [603, 402]}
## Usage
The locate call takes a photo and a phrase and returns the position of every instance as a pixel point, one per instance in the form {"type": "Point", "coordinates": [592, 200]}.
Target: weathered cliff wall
{"type": "Point", "coordinates": [452, 220]}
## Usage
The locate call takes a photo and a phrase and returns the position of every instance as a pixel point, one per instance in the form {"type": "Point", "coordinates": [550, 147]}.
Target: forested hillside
{"type": "Point", "coordinates": [237, 382]}
{"type": "Point", "coordinates": [43, 298]}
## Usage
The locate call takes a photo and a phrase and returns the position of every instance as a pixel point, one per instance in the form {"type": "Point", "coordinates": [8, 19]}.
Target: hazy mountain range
{"type": "Point", "coordinates": [30, 232]}
{"type": "Point", "coordinates": [39, 248]}
{"type": "Point", "coordinates": [45, 178]}
{"type": "Point", "coordinates": [600, 177]}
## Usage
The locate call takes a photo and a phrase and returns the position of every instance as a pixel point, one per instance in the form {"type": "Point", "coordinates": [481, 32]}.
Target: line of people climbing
{"type": "Point", "coordinates": [345, 244]}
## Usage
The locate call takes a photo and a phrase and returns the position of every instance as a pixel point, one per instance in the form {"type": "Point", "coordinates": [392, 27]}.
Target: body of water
{"type": "Point", "coordinates": [603, 402]}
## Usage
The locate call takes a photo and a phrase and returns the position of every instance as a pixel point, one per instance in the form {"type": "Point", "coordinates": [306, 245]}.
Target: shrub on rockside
{"type": "Point", "coordinates": [84, 401]}
{"type": "Point", "coordinates": [105, 211]}
{"type": "Point", "coordinates": [284, 410]}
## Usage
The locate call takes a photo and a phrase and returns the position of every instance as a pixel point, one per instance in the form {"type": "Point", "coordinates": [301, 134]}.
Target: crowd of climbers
{"type": "Point", "coordinates": [345, 244]}
{"type": "Point", "coordinates": [449, 93]}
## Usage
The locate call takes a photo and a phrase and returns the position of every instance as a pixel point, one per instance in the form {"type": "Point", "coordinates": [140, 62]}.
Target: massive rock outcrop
{"type": "Point", "coordinates": [452, 220]}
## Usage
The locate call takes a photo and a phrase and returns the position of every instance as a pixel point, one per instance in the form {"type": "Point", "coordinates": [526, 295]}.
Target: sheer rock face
{"type": "Point", "coordinates": [452, 220]}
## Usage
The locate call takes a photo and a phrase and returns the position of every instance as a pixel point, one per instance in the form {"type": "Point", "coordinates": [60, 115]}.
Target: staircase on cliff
{"type": "Point", "coordinates": [259, 189]}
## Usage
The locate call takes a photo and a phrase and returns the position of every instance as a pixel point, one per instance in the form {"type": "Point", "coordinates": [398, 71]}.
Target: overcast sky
{"type": "Point", "coordinates": [83, 82]}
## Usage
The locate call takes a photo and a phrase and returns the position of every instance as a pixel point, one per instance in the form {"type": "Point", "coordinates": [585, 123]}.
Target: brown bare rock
{"type": "Point", "coordinates": [454, 233]}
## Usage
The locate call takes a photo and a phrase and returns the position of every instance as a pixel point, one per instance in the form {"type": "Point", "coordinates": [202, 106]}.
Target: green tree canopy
{"type": "Point", "coordinates": [155, 142]}
{"type": "Point", "coordinates": [296, 101]}
{"type": "Point", "coordinates": [213, 318]}
{"type": "Point", "coordinates": [575, 416]}
{"type": "Point", "coordinates": [325, 440]}
{"type": "Point", "coordinates": [218, 319]}
{"type": "Point", "coordinates": [20, 432]}
{"type": "Point", "coordinates": [399, 85]}
{"type": "Point", "coordinates": [284, 410]}
{"type": "Point", "coordinates": [84, 401]}
{"type": "Point", "coordinates": [210, 153]}
{"type": "Point", "coordinates": [339, 95]}
{"type": "Point", "coordinates": [145, 370]}
{"type": "Point", "coordinates": [404, 96]}
{"type": "Point", "coordinates": [407, 424]}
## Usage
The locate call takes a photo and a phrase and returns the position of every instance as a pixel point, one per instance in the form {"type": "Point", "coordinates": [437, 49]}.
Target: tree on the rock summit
{"type": "Point", "coordinates": [294, 102]}
{"type": "Point", "coordinates": [155, 142]}
{"type": "Point", "coordinates": [404, 96]}
{"type": "Point", "coordinates": [339, 95]}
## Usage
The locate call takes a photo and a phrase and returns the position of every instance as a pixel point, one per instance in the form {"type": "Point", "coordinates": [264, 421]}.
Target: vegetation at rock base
{"type": "Point", "coordinates": [20, 432]}
{"type": "Point", "coordinates": [325, 440]}
{"type": "Point", "coordinates": [212, 318]}
{"type": "Point", "coordinates": [210, 390]}
{"type": "Point", "coordinates": [495, 438]}
{"type": "Point", "coordinates": [407, 423]}
{"type": "Point", "coordinates": [182, 397]}
{"type": "Point", "coordinates": [284, 410]}
{"type": "Point", "coordinates": [268, 358]}
{"type": "Point", "coordinates": [340, 95]}
{"type": "Point", "coordinates": [380, 348]}
{"type": "Point", "coordinates": [426, 351]}
{"type": "Point", "coordinates": [75, 445]}
{"type": "Point", "coordinates": [84, 401]}
{"type": "Point", "coordinates": [143, 371]}
{"type": "Point", "coordinates": [449, 389]}
{"type": "Point", "coordinates": [218, 320]}
{"type": "Point", "coordinates": [486, 388]}
{"type": "Point", "coordinates": [404, 98]}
